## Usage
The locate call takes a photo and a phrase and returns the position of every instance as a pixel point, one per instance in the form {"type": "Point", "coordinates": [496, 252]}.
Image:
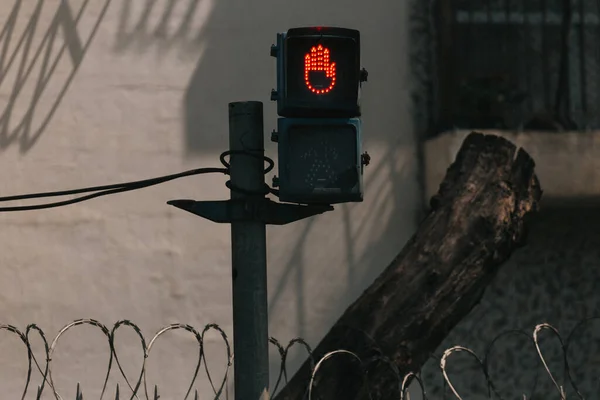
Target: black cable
{"type": "Point", "coordinates": [101, 190]}
{"type": "Point", "coordinates": [64, 202]}
{"type": "Point", "coordinates": [130, 185]}
{"type": "Point", "coordinates": [105, 190]}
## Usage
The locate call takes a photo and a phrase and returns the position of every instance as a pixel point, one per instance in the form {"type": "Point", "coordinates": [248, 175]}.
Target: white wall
{"type": "Point", "coordinates": [144, 103]}
{"type": "Point", "coordinates": [566, 163]}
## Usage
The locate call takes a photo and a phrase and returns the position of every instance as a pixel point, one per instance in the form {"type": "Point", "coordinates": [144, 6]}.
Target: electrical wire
{"type": "Point", "coordinates": [105, 190]}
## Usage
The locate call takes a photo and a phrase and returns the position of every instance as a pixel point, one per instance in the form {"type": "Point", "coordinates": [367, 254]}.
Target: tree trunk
{"type": "Point", "coordinates": [478, 218]}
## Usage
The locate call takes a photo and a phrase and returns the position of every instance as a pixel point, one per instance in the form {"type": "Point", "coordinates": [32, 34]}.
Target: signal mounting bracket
{"type": "Point", "coordinates": [263, 209]}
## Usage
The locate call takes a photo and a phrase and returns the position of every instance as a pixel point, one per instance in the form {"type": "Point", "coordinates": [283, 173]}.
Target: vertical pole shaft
{"type": "Point", "coordinates": [249, 255]}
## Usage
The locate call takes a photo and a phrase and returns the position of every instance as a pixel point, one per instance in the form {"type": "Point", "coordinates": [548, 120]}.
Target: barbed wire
{"type": "Point", "coordinates": [140, 386]}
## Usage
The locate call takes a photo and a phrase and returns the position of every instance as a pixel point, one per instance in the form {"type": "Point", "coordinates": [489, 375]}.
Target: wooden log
{"type": "Point", "coordinates": [478, 218]}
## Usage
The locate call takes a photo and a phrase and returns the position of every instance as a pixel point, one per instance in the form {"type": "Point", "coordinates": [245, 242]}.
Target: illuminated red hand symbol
{"type": "Point", "coordinates": [318, 60]}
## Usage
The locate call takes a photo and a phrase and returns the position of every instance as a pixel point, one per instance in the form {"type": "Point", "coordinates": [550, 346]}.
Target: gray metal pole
{"type": "Point", "coordinates": [249, 256]}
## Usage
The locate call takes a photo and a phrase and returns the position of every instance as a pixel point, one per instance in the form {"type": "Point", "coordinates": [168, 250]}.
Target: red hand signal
{"type": "Point", "coordinates": [318, 60]}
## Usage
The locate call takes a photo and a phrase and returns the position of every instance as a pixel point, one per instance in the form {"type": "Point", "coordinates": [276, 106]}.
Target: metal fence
{"type": "Point", "coordinates": [509, 64]}
{"type": "Point", "coordinates": [565, 387]}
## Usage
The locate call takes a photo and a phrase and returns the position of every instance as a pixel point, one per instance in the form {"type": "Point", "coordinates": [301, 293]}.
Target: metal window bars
{"type": "Point", "coordinates": [512, 64]}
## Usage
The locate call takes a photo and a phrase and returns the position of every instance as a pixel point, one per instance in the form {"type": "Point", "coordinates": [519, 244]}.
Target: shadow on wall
{"type": "Point", "coordinates": [164, 26]}
{"type": "Point", "coordinates": [179, 28]}
{"type": "Point", "coordinates": [237, 41]}
{"type": "Point", "coordinates": [26, 68]}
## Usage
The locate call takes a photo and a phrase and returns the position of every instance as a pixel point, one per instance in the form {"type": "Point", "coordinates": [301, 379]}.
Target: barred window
{"type": "Point", "coordinates": [516, 64]}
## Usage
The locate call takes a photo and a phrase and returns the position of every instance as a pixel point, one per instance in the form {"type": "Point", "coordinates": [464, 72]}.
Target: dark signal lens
{"type": "Point", "coordinates": [323, 158]}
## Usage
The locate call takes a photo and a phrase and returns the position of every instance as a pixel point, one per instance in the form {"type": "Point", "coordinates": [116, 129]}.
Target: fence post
{"type": "Point", "coordinates": [249, 254]}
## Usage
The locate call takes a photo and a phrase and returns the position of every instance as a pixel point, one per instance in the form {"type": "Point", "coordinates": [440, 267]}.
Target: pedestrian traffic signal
{"type": "Point", "coordinates": [318, 92]}
{"type": "Point", "coordinates": [319, 160]}
{"type": "Point", "coordinates": [318, 72]}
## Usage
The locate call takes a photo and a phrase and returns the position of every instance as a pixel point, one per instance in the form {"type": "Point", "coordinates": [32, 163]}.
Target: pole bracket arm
{"type": "Point", "coordinates": [263, 209]}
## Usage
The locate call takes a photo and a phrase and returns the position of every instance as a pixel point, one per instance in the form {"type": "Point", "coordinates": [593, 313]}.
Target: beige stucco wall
{"type": "Point", "coordinates": [145, 99]}
{"type": "Point", "coordinates": [567, 163]}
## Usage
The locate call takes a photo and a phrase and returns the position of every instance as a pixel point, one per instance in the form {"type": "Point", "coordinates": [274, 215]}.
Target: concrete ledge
{"type": "Point", "coordinates": [567, 163]}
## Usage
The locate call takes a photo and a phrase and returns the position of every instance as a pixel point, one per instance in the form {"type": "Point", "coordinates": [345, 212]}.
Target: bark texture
{"type": "Point", "coordinates": [478, 218]}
